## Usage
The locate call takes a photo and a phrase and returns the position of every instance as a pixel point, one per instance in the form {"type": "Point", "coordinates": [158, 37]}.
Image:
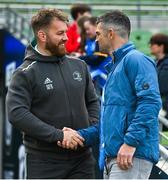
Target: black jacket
{"type": "Point", "coordinates": [46, 94]}
{"type": "Point", "coordinates": [162, 68]}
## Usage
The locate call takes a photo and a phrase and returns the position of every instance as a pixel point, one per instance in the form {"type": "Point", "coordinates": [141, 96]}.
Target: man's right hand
{"type": "Point", "coordinates": [71, 139]}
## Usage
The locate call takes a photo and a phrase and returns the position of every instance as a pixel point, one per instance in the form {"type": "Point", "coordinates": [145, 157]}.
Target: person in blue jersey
{"type": "Point", "coordinates": [128, 129]}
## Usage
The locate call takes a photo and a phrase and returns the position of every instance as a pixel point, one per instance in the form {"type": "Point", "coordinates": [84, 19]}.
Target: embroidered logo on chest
{"type": "Point", "coordinates": [77, 76]}
{"type": "Point", "coordinates": [48, 84]}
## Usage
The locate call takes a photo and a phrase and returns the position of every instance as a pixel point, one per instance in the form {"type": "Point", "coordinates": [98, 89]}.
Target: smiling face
{"type": "Point", "coordinates": [56, 38]}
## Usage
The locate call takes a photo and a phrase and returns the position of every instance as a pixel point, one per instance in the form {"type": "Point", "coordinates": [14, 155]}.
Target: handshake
{"type": "Point", "coordinates": [71, 139]}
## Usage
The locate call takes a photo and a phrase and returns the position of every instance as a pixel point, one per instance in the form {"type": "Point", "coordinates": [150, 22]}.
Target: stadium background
{"type": "Point", "coordinates": [147, 17]}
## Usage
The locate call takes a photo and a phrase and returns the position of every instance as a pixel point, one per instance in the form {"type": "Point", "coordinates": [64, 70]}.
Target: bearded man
{"type": "Point", "coordinates": [50, 91]}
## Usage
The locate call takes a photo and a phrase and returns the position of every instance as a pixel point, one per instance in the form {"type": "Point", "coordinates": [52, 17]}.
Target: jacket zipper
{"type": "Point", "coordinates": [66, 88]}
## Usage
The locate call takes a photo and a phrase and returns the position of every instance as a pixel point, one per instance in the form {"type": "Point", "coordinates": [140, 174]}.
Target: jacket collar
{"type": "Point", "coordinates": [122, 51]}
{"type": "Point", "coordinates": [33, 55]}
{"type": "Point", "coordinates": [119, 54]}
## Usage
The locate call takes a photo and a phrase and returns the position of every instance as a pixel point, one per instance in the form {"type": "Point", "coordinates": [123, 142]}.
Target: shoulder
{"type": "Point", "coordinates": [27, 66]}
{"type": "Point", "coordinates": [137, 58]}
{"type": "Point", "coordinates": [138, 63]}
{"type": "Point", "coordinates": [26, 69]}
{"type": "Point", "coordinates": [165, 61]}
{"type": "Point", "coordinates": [75, 60]}
{"type": "Point", "coordinates": [162, 65]}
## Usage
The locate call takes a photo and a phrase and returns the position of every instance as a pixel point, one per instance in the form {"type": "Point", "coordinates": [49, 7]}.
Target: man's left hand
{"type": "Point", "coordinates": [125, 156]}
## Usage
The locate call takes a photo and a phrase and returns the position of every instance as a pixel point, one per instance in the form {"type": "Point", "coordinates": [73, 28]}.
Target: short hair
{"type": "Point", "coordinates": [118, 21]}
{"type": "Point", "coordinates": [44, 17]}
{"type": "Point", "coordinates": [79, 8]}
{"type": "Point", "coordinates": [160, 39]}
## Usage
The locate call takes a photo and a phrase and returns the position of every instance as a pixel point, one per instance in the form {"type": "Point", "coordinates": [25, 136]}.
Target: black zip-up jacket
{"type": "Point", "coordinates": [162, 68]}
{"type": "Point", "coordinates": [46, 94]}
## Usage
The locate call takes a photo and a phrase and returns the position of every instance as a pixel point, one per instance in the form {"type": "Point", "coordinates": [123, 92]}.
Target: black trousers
{"type": "Point", "coordinates": [41, 167]}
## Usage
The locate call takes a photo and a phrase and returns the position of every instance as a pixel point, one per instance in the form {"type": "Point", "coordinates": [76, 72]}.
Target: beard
{"type": "Point", "coordinates": [56, 50]}
{"type": "Point", "coordinates": [102, 49]}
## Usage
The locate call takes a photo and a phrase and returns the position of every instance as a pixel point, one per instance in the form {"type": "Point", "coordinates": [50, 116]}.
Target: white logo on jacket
{"type": "Point", "coordinates": [48, 84]}
{"type": "Point", "coordinates": [77, 76]}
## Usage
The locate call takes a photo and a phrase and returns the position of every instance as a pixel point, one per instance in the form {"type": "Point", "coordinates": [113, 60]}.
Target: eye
{"type": "Point", "coordinates": [60, 32]}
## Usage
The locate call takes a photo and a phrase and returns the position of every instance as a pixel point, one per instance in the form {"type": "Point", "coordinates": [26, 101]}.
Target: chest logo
{"type": "Point", "coordinates": [48, 84]}
{"type": "Point", "coordinates": [77, 76]}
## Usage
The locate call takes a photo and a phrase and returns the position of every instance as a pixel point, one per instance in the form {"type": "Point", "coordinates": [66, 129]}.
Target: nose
{"type": "Point", "coordinates": [65, 38]}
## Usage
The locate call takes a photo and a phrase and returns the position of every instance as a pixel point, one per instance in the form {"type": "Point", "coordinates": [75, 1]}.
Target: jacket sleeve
{"type": "Point", "coordinates": [142, 75]}
{"type": "Point", "coordinates": [90, 134]}
{"type": "Point", "coordinates": [92, 102]}
{"type": "Point", "coordinates": [18, 102]}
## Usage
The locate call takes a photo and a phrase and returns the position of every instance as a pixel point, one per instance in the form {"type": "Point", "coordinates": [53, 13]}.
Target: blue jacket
{"type": "Point", "coordinates": [131, 106]}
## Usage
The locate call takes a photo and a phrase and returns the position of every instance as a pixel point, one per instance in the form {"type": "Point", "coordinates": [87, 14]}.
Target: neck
{"type": "Point", "coordinates": [119, 42]}
{"type": "Point", "coordinates": [43, 51]}
{"type": "Point", "coordinates": [160, 56]}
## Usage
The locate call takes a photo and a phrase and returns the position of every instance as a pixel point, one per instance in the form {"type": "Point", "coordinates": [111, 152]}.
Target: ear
{"type": "Point", "coordinates": [111, 33]}
{"type": "Point", "coordinates": [42, 35]}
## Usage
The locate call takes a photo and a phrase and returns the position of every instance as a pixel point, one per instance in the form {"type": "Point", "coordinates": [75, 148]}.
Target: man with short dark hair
{"type": "Point", "coordinates": [47, 92]}
{"type": "Point", "coordinates": [131, 103]}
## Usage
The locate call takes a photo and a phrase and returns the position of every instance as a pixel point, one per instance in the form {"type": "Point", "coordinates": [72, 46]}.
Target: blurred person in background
{"type": "Point", "coordinates": [48, 92]}
{"type": "Point", "coordinates": [82, 33]}
{"type": "Point", "coordinates": [91, 55]}
{"type": "Point", "coordinates": [74, 39]}
{"type": "Point", "coordinates": [95, 59]}
{"type": "Point", "coordinates": [90, 30]}
{"type": "Point", "coordinates": [129, 128]}
{"type": "Point", "coordinates": [159, 48]}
